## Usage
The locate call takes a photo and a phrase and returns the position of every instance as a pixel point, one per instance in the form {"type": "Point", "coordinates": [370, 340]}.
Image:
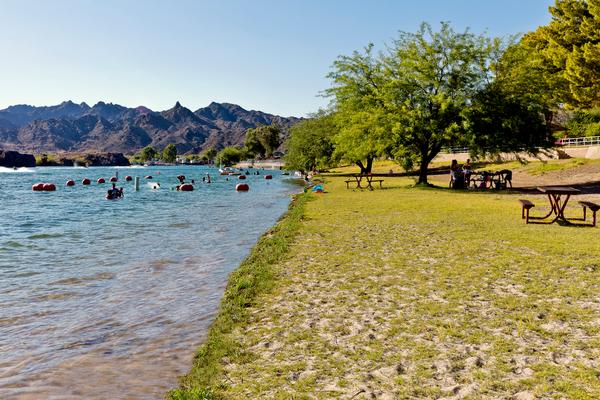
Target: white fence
{"type": "Point", "coordinates": [566, 142]}
{"type": "Point", "coordinates": [580, 141]}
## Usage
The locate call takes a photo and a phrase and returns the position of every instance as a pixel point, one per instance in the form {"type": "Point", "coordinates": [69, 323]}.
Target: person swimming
{"type": "Point", "coordinates": [114, 192]}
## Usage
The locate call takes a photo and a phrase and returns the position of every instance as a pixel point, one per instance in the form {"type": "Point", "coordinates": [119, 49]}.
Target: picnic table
{"type": "Point", "coordinates": [559, 197]}
{"type": "Point", "coordinates": [490, 179]}
{"type": "Point", "coordinates": [360, 179]}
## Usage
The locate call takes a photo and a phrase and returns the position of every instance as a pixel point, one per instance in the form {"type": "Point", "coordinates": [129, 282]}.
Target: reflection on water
{"type": "Point", "coordinates": [108, 299]}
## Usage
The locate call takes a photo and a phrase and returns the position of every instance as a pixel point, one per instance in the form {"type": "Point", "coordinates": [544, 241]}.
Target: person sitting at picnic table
{"type": "Point", "coordinates": [467, 170]}
{"type": "Point", "coordinates": [457, 180]}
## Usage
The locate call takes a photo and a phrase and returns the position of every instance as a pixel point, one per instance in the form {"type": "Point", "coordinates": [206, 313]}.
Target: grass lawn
{"type": "Point", "coordinates": [409, 293]}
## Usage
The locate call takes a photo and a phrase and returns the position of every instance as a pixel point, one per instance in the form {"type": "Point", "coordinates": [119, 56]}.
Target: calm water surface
{"type": "Point", "coordinates": [108, 299]}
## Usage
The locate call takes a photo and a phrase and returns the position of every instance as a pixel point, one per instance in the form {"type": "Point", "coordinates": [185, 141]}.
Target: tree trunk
{"type": "Point", "coordinates": [365, 169]}
{"type": "Point", "coordinates": [362, 167]}
{"type": "Point", "coordinates": [423, 170]}
{"type": "Point", "coordinates": [369, 165]}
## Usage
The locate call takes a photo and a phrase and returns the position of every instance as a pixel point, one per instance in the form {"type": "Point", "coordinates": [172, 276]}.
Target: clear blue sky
{"type": "Point", "coordinates": [269, 55]}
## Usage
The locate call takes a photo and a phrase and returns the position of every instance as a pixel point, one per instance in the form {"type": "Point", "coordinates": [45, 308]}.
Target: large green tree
{"type": "Point", "coordinates": [263, 140]}
{"type": "Point", "coordinates": [148, 153]}
{"type": "Point", "coordinates": [230, 155]}
{"type": "Point", "coordinates": [169, 153]}
{"type": "Point", "coordinates": [431, 80]}
{"type": "Point", "coordinates": [360, 113]}
{"type": "Point", "coordinates": [209, 154]}
{"type": "Point", "coordinates": [500, 121]}
{"type": "Point", "coordinates": [569, 47]}
{"type": "Point", "coordinates": [310, 144]}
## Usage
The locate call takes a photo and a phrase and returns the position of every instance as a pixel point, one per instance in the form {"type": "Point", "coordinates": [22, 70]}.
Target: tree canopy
{"type": "Point", "coordinates": [569, 50]}
{"type": "Point", "coordinates": [263, 140]}
{"type": "Point", "coordinates": [432, 78]}
{"type": "Point", "coordinates": [169, 153]}
{"type": "Point", "coordinates": [360, 115]}
{"type": "Point", "coordinates": [229, 156]}
{"type": "Point", "coordinates": [148, 153]}
{"type": "Point", "coordinates": [310, 144]}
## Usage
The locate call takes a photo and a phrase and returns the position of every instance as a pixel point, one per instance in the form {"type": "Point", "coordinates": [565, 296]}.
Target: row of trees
{"type": "Point", "coordinates": [260, 142]}
{"type": "Point", "coordinates": [148, 153]}
{"type": "Point", "coordinates": [169, 154]}
{"type": "Point", "coordinates": [436, 89]}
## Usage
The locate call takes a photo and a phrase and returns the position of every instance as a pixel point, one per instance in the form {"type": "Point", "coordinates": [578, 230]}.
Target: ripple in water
{"type": "Point", "coordinates": [106, 299]}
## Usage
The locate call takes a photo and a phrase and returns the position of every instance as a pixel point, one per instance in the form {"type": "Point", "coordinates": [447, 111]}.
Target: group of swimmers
{"type": "Point", "coordinates": [181, 179]}
{"type": "Point", "coordinates": [114, 192]}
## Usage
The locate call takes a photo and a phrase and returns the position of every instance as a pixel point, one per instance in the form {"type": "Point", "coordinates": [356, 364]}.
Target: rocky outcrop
{"type": "Point", "coordinates": [106, 160]}
{"type": "Point", "coordinates": [12, 159]}
{"type": "Point", "coordinates": [83, 159]}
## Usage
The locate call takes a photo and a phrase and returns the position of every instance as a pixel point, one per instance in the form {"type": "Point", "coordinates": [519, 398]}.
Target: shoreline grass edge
{"type": "Point", "coordinates": [253, 277]}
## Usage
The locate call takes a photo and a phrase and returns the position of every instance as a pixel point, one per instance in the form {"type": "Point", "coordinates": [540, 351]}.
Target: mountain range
{"type": "Point", "coordinates": [108, 127]}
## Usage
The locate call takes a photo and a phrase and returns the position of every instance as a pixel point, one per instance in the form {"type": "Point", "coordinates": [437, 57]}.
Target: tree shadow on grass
{"type": "Point", "coordinates": [586, 188]}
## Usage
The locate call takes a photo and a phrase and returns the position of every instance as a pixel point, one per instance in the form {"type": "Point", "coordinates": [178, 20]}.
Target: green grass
{"type": "Point", "coordinates": [408, 293]}
{"type": "Point", "coordinates": [254, 277]}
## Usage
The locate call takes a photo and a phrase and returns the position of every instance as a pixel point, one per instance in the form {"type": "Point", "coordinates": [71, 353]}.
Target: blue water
{"type": "Point", "coordinates": [108, 299]}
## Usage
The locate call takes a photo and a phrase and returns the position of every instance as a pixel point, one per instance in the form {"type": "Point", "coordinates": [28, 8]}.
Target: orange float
{"type": "Point", "coordinates": [114, 179]}
{"type": "Point", "coordinates": [86, 181]}
{"type": "Point", "coordinates": [242, 187]}
{"type": "Point", "coordinates": [148, 177]}
{"type": "Point", "coordinates": [101, 180]}
{"type": "Point", "coordinates": [49, 187]}
{"type": "Point", "coordinates": [268, 176]}
{"type": "Point", "coordinates": [186, 187]}
{"type": "Point", "coordinates": [128, 178]}
{"type": "Point", "coordinates": [242, 177]}
{"type": "Point", "coordinates": [38, 187]}
{"type": "Point", "coordinates": [70, 183]}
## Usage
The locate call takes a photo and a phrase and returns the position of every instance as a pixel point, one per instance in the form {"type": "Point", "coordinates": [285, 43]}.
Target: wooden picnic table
{"type": "Point", "coordinates": [490, 179]}
{"type": "Point", "coordinates": [559, 197]}
{"type": "Point", "coordinates": [358, 180]}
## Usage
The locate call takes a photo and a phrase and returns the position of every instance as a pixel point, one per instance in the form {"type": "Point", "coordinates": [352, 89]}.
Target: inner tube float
{"type": "Point", "coordinates": [114, 179]}
{"type": "Point", "coordinates": [148, 177]}
{"type": "Point", "coordinates": [242, 187]}
{"type": "Point", "coordinates": [242, 177]}
{"type": "Point", "coordinates": [101, 180]}
{"type": "Point", "coordinates": [128, 178]}
{"type": "Point", "coordinates": [49, 187]}
{"type": "Point", "coordinates": [86, 181]}
{"type": "Point", "coordinates": [268, 176]}
{"type": "Point", "coordinates": [70, 183]}
{"type": "Point", "coordinates": [186, 187]}
{"type": "Point", "coordinates": [38, 187]}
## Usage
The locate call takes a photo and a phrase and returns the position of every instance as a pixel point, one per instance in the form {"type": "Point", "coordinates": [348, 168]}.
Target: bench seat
{"type": "Point", "coordinates": [526, 205]}
{"type": "Point", "coordinates": [593, 208]}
